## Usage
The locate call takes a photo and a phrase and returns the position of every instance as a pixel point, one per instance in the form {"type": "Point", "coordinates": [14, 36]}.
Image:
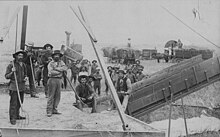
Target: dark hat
{"type": "Point", "coordinates": [48, 45]}
{"type": "Point", "coordinates": [121, 71]}
{"type": "Point", "coordinates": [94, 61]}
{"type": "Point", "coordinates": [57, 52]}
{"type": "Point", "coordinates": [109, 67]}
{"type": "Point", "coordinates": [18, 52]}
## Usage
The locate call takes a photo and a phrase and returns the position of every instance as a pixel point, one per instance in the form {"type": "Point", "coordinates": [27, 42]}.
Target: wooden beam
{"type": "Point", "coordinates": [105, 71]}
{"type": "Point", "coordinates": [24, 26]}
{"type": "Point", "coordinates": [84, 24]}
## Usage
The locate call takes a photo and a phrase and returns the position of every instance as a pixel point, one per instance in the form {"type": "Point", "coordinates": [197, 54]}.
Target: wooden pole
{"type": "Point", "coordinates": [84, 24]}
{"type": "Point", "coordinates": [170, 113]}
{"type": "Point", "coordinates": [105, 71]}
{"type": "Point", "coordinates": [16, 34]}
{"type": "Point", "coordinates": [24, 26]}
{"type": "Point", "coordinates": [184, 117]}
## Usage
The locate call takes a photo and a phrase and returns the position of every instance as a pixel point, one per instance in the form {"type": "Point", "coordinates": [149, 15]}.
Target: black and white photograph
{"type": "Point", "coordinates": [110, 68]}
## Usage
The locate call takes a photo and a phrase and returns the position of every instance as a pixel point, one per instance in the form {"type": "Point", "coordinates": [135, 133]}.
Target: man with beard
{"type": "Point", "coordinates": [85, 93]}
{"type": "Point", "coordinates": [46, 58]}
{"type": "Point", "coordinates": [29, 61]}
{"type": "Point", "coordinates": [19, 68]}
{"type": "Point", "coordinates": [56, 68]}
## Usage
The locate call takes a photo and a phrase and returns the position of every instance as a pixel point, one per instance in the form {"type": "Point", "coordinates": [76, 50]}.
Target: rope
{"type": "Point", "coordinates": [190, 27]}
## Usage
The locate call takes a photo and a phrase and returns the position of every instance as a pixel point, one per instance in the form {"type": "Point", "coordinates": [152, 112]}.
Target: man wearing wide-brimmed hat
{"type": "Point", "coordinates": [48, 46]}
{"type": "Point", "coordinates": [56, 68]}
{"type": "Point", "coordinates": [123, 85]}
{"type": "Point", "coordinates": [85, 93]}
{"type": "Point", "coordinates": [21, 74]}
{"type": "Point", "coordinates": [29, 61]}
{"type": "Point", "coordinates": [46, 58]}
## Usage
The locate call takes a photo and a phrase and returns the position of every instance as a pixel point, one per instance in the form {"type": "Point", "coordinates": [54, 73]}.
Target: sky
{"type": "Point", "coordinates": [113, 22]}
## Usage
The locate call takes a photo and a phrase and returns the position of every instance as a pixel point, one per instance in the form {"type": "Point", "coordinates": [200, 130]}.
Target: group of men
{"type": "Point", "coordinates": [124, 76]}
{"type": "Point", "coordinates": [21, 69]}
{"type": "Point", "coordinates": [53, 69]}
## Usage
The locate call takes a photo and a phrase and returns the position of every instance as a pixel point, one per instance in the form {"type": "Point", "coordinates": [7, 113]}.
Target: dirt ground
{"type": "Point", "coordinates": [72, 118]}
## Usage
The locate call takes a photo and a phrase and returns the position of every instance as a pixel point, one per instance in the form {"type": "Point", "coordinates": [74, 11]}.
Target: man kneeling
{"type": "Point", "coordinates": [85, 93]}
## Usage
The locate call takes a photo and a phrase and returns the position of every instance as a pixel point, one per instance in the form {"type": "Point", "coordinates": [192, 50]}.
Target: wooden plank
{"type": "Point", "coordinates": [27, 132]}
{"type": "Point", "coordinates": [83, 19]}
{"type": "Point", "coordinates": [211, 67]}
{"type": "Point", "coordinates": [142, 92]}
{"type": "Point", "coordinates": [163, 74]}
{"type": "Point", "coordinates": [160, 104]}
{"type": "Point", "coordinates": [24, 27]}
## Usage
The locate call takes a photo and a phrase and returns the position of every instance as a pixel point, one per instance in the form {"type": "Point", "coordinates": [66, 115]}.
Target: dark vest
{"type": "Point", "coordinates": [123, 86]}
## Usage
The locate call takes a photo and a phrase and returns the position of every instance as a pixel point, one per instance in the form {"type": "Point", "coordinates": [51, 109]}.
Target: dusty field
{"type": "Point", "coordinates": [72, 118]}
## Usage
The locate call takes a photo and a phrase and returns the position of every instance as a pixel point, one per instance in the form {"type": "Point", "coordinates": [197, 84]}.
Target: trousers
{"type": "Point", "coordinates": [15, 104]}
{"type": "Point", "coordinates": [54, 87]}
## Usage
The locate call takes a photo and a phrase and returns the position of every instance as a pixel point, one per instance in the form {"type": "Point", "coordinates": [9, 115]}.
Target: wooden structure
{"type": "Point", "coordinates": [189, 53]}
{"type": "Point", "coordinates": [24, 27]}
{"type": "Point", "coordinates": [147, 53]}
{"type": "Point", "coordinates": [167, 72]}
{"type": "Point", "coordinates": [148, 97]}
{"type": "Point", "coordinates": [36, 132]}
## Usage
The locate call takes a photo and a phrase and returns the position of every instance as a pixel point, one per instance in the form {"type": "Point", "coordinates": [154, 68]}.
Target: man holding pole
{"type": "Point", "coordinates": [56, 69]}
{"type": "Point", "coordinates": [46, 58]}
{"type": "Point", "coordinates": [29, 61]}
{"type": "Point", "coordinates": [16, 85]}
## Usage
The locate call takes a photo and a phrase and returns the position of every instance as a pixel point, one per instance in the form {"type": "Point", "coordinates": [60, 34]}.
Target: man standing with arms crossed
{"type": "Point", "coordinates": [56, 68]}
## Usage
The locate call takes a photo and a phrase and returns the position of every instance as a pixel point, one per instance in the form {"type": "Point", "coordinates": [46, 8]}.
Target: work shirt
{"type": "Point", "coordinates": [21, 73]}
{"type": "Point", "coordinates": [123, 84]}
{"type": "Point", "coordinates": [98, 78]}
{"type": "Point", "coordinates": [93, 68]}
{"type": "Point", "coordinates": [46, 57]}
{"type": "Point", "coordinates": [114, 76]}
{"type": "Point", "coordinates": [55, 69]}
{"type": "Point", "coordinates": [132, 77]}
{"type": "Point", "coordinates": [84, 90]}
{"type": "Point", "coordinates": [32, 55]}
{"type": "Point", "coordinates": [74, 69]}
